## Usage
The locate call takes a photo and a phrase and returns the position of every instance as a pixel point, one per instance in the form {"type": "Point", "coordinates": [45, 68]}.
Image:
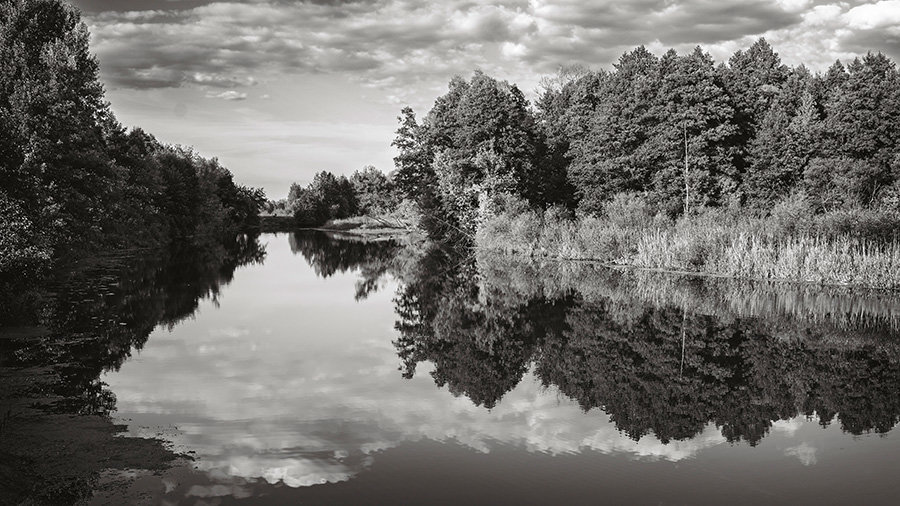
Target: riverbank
{"type": "Point", "coordinates": [849, 311]}
{"type": "Point", "coordinates": [368, 227]}
{"type": "Point", "coordinates": [846, 248]}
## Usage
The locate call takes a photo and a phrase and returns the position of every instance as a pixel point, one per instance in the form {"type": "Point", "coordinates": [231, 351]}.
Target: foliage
{"type": "Point", "coordinates": [20, 249]}
{"type": "Point", "coordinates": [681, 131]}
{"type": "Point", "coordinates": [478, 140]}
{"type": "Point", "coordinates": [330, 197]}
{"type": "Point", "coordinates": [374, 191]}
{"type": "Point", "coordinates": [327, 197]}
{"type": "Point", "coordinates": [71, 178]}
{"type": "Point", "coordinates": [853, 246]}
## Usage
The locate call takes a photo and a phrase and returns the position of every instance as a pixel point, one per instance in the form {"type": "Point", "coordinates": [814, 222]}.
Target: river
{"type": "Point", "coordinates": [339, 371]}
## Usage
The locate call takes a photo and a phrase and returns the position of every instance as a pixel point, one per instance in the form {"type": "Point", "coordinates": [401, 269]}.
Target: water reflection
{"type": "Point", "coordinates": [97, 314]}
{"type": "Point", "coordinates": [63, 336]}
{"type": "Point", "coordinates": [291, 379]}
{"type": "Point", "coordinates": [328, 254]}
{"type": "Point", "coordinates": [664, 359]}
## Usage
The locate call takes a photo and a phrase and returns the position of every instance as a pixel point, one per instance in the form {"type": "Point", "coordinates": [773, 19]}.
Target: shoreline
{"type": "Point", "coordinates": [722, 243]}
{"type": "Point", "coordinates": [353, 227]}
{"type": "Point", "coordinates": [54, 454]}
{"type": "Point", "coordinates": [681, 272]}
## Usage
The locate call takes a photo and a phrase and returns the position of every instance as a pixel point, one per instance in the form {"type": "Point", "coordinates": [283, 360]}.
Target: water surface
{"type": "Point", "coordinates": [350, 372]}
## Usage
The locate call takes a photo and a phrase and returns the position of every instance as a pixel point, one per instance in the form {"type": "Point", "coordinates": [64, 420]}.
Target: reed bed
{"type": "Point", "coordinates": [840, 307]}
{"type": "Point", "coordinates": [715, 242]}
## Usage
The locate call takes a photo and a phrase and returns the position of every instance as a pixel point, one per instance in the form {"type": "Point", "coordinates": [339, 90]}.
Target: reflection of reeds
{"type": "Point", "coordinates": [713, 243]}
{"type": "Point", "coordinates": [842, 308]}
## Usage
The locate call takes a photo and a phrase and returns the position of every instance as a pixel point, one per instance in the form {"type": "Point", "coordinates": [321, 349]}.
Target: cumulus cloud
{"type": "Point", "coordinates": [878, 15]}
{"type": "Point", "coordinates": [144, 44]}
{"type": "Point", "coordinates": [228, 95]}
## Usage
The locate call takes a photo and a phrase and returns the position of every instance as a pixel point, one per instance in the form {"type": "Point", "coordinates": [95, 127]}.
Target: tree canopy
{"type": "Point", "coordinates": [71, 177]}
{"type": "Point", "coordinates": [680, 129]}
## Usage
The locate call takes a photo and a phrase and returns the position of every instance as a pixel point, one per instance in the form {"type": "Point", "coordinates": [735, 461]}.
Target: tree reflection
{"type": "Point", "coordinates": [480, 347]}
{"type": "Point", "coordinates": [96, 314]}
{"type": "Point", "coordinates": [665, 362]}
{"type": "Point", "coordinates": [328, 255]}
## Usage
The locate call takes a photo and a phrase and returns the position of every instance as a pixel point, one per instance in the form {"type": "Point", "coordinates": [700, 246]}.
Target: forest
{"type": "Point", "coordinates": [747, 168]}
{"type": "Point", "coordinates": [679, 132]}
{"type": "Point", "coordinates": [73, 180]}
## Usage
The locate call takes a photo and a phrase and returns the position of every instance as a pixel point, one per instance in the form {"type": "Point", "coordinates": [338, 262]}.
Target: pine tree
{"type": "Point", "coordinates": [694, 138]}
{"type": "Point", "coordinates": [609, 155]}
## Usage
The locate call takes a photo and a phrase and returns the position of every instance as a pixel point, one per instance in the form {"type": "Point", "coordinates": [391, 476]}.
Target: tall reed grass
{"type": "Point", "coordinates": [857, 247]}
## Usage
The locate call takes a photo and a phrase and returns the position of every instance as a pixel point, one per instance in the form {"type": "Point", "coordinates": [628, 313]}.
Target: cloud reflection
{"type": "Point", "coordinates": [805, 453]}
{"type": "Point", "coordinates": [312, 400]}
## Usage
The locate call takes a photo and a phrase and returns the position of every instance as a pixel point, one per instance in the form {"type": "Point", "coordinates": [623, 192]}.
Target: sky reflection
{"type": "Point", "coordinates": [291, 380]}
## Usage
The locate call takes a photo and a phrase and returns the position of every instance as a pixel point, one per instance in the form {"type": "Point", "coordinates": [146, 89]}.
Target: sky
{"type": "Point", "coordinates": [278, 90]}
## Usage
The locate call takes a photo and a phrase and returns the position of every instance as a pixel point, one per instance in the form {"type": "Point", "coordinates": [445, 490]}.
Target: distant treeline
{"type": "Point", "coordinates": [679, 131]}
{"type": "Point", "coordinates": [71, 177]}
{"type": "Point", "coordinates": [327, 197]}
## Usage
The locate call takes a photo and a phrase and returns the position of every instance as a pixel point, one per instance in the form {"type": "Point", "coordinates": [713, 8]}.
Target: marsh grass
{"type": "Point", "coordinates": [856, 247]}
{"type": "Point", "coordinates": [838, 307]}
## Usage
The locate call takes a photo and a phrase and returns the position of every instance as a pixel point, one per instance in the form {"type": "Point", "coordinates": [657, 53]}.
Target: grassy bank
{"type": "Point", "coordinates": [792, 243]}
{"type": "Point", "coordinates": [387, 226]}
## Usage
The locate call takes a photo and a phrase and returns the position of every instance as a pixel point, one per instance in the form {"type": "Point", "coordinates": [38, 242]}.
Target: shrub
{"type": "Point", "coordinates": [850, 246]}
{"type": "Point", "coordinates": [791, 215]}
{"type": "Point", "coordinates": [628, 209]}
{"type": "Point", "coordinates": [861, 224]}
{"type": "Point", "coordinates": [22, 248]}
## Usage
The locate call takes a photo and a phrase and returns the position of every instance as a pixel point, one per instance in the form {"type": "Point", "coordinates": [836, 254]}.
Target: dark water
{"type": "Point", "coordinates": [307, 369]}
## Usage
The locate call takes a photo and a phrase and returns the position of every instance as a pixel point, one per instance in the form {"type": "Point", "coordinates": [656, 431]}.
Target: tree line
{"type": "Point", "coordinates": [680, 131]}
{"type": "Point", "coordinates": [328, 197]}
{"type": "Point", "coordinates": [72, 178]}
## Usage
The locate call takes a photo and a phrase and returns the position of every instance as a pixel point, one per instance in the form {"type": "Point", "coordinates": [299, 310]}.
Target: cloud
{"type": "Point", "coordinates": [228, 95]}
{"type": "Point", "coordinates": [93, 6]}
{"type": "Point", "coordinates": [227, 44]}
{"type": "Point", "coordinates": [878, 15]}
{"type": "Point", "coordinates": [398, 52]}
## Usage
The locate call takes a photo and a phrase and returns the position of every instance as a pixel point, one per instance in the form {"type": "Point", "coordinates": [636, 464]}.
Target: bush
{"type": "Point", "coordinates": [889, 198]}
{"type": "Point", "coordinates": [860, 224]}
{"type": "Point", "coordinates": [792, 215]}
{"type": "Point", "coordinates": [629, 209]}
{"type": "Point", "coordinates": [22, 249]}
{"type": "Point", "coordinates": [850, 246]}
{"type": "Point", "coordinates": [598, 240]}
